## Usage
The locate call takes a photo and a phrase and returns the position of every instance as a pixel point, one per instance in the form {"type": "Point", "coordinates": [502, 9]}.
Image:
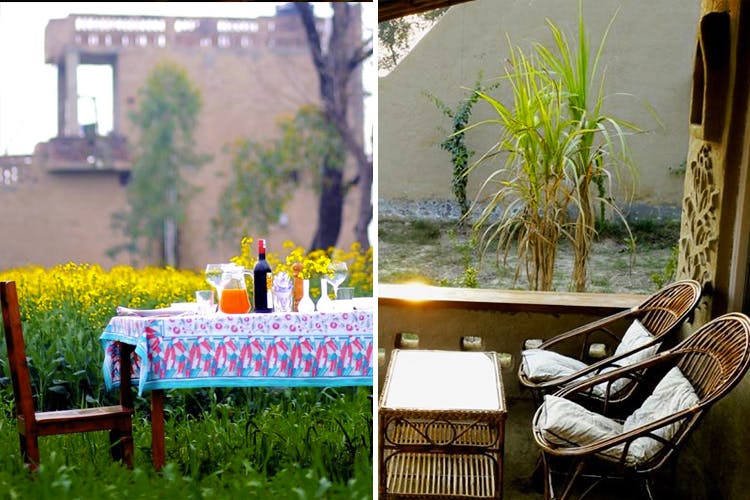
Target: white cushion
{"type": "Point", "coordinates": [564, 422]}
{"type": "Point", "coordinates": [567, 423]}
{"type": "Point", "coordinates": [541, 365]}
{"type": "Point", "coordinates": [673, 394]}
{"type": "Point", "coordinates": [636, 336]}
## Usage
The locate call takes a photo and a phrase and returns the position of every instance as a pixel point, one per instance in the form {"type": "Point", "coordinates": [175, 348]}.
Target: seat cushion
{"type": "Point", "coordinates": [671, 395]}
{"type": "Point", "coordinates": [566, 423]}
{"type": "Point", "coordinates": [636, 336]}
{"type": "Point", "coordinates": [541, 365]}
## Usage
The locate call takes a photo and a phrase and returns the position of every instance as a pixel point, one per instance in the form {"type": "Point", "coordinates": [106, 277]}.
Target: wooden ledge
{"type": "Point", "coordinates": [425, 296]}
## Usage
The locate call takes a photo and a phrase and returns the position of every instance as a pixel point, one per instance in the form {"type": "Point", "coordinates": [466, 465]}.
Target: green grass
{"type": "Point", "coordinates": [648, 233]}
{"type": "Point", "coordinates": [291, 443]}
{"type": "Point", "coordinates": [417, 232]}
{"type": "Point", "coordinates": [220, 443]}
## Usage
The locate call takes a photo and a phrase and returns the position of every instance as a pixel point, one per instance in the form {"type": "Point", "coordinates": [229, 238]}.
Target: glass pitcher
{"type": "Point", "coordinates": [233, 298]}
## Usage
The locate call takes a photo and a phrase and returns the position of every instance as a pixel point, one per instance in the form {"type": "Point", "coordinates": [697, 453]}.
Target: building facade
{"type": "Point", "coordinates": [250, 72]}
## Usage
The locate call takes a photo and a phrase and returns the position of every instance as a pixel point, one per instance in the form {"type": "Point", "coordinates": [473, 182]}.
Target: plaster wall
{"type": "Point", "coordinates": [713, 238]}
{"type": "Point", "coordinates": [648, 54]}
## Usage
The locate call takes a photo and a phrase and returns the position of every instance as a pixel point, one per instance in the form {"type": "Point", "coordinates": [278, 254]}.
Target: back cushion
{"type": "Point", "coordinates": [636, 336]}
{"type": "Point", "coordinates": [673, 394]}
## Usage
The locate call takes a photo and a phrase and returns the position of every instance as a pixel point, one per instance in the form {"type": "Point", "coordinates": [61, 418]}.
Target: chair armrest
{"type": "Point", "coordinates": [589, 328]}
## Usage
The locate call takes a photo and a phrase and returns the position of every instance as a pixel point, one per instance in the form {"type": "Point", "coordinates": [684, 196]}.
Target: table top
{"type": "Point", "coordinates": [235, 350]}
{"type": "Point", "coordinates": [434, 380]}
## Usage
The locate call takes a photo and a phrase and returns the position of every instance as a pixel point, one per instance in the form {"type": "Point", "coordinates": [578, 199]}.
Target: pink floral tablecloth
{"type": "Point", "coordinates": [278, 349]}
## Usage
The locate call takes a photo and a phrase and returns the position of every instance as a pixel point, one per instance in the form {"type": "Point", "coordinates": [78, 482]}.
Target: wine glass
{"type": "Point", "coordinates": [213, 276]}
{"type": "Point", "coordinates": [339, 272]}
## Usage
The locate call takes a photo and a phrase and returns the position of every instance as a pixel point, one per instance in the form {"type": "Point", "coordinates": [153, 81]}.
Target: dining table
{"type": "Point", "coordinates": [190, 350]}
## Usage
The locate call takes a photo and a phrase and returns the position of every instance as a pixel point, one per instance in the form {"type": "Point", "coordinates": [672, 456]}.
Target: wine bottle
{"type": "Point", "coordinates": [262, 280]}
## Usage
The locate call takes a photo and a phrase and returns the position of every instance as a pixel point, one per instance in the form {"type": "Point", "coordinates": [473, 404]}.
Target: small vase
{"type": "Point", "coordinates": [325, 304]}
{"type": "Point", "coordinates": [306, 305]}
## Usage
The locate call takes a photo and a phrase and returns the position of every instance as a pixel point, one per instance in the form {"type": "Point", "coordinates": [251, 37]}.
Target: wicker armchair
{"type": "Point", "coordinates": [712, 360]}
{"type": "Point", "coordinates": [661, 315]}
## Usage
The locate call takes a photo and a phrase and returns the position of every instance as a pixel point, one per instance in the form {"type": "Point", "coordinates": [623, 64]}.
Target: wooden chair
{"type": "Point", "coordinates": [661, 314]}
{"type": "Point", "coordinates": [32, 424]}
{"type": "Point", "coordinates": [713, 360]}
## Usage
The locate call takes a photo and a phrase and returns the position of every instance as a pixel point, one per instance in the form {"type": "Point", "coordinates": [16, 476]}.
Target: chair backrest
{"type": "Point", "coordinates": [714, 359]}
{"type": "Point", "coordinates": [663, 312]}
{"type": "Point", "coordinates": [716, 356]}
{"type": "Point", "coordinates": [19, 369]}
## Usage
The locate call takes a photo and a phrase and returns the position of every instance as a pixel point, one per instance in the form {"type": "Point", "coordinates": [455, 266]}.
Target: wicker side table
{"type": "Point", "coordinates": [441, 425]}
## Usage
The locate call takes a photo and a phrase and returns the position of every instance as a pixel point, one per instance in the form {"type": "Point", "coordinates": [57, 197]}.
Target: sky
{"type": "Point", "coordinates": [28, 86]}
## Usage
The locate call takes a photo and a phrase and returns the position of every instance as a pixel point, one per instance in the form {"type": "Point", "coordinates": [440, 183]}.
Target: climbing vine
{"type": "Point", "coordinates": [455, 142]}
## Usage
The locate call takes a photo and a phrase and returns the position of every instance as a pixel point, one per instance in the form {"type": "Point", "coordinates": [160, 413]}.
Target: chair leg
{"type": "Point", "coordinates": [549, 493]}
{"type": "Point", "coordinates": [647, 486]}
{"type": "Point", "coordinates": [29, 450]}
{"type": "Point", "coordinates": [569, 486]}
{"type": "Point", "coordinates": [121, 446]}
{"type": "Point", "coordinates": [573, 474]}
{"type": "Point", "coordinates": [127, 449]}
{"type": "Point", "coordinates": [115, 444]}
{"type": "Point", "coordinates": [536, 479]}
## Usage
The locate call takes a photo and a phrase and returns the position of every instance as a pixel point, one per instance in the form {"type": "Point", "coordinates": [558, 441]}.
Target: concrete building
{"type": "Point", "coordinates": [58, 203]}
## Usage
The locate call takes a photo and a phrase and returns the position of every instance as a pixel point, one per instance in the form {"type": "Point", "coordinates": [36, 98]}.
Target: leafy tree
{"type": "Point", "coordinates": [336, 63]}
{"type": "Point", "coordinates": [157, 192]}
{"type": "Point", "coordinates": [393, 39]}
{"type": "Point", "coordinates": [263, 177]}
{"type": "Point", "coordinates": [394, 36]}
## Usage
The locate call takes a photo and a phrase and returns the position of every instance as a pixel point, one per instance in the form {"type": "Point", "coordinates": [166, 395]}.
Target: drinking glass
{"type": "Point", "coordinates": [213, 276]}
{"type": "Point", "coordinates": [283, 300]}
{"type": "Point", "coordinates": [205, 300]}
{"type": "Point", "coordinates": [345, 299]}
{"type": "Point", "coordinates": [340, 271]}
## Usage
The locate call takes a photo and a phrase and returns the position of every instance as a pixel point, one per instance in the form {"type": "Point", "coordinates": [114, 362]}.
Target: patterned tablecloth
{"type": "Point", "coordinates": [242, 350]}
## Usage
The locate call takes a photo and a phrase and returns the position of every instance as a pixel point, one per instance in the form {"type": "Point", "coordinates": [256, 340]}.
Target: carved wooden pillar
{"type": "Point", "coordinates": [716, 163]}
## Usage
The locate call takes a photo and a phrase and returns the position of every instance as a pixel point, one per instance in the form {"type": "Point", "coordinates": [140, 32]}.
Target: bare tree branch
{"type": "Point", "coordinates": [360, 54]}
{"type": "Point", "coordinates": [335, 67]}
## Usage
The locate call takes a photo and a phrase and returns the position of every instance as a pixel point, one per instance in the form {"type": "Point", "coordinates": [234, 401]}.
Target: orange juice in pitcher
{"type": "Point", "coordinates": [233, 297]}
